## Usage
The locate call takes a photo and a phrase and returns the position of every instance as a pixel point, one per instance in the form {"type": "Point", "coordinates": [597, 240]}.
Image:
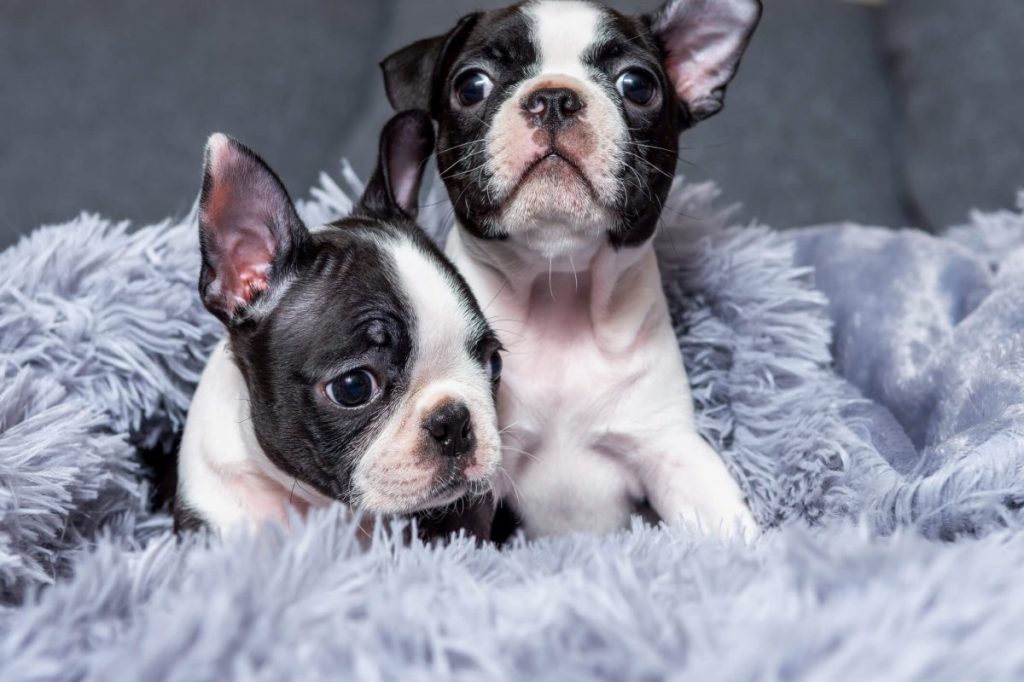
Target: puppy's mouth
{"type": "Point", "coordinates": [555, 167]}
{"type": "Point", "coordinates": [444, 488]}
{"type": "Point", "coordinates": [443, 495]}
{"type": "Point", "coordinates": [473, 479]}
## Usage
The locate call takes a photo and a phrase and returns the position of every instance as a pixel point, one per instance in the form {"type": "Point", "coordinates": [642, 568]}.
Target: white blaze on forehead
{"type": "Point", "coordinates": [444, 320]}
{"type": "Point", "coordinates": [562, 31]}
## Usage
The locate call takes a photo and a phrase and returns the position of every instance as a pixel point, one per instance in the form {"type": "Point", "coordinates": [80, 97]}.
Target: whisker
{"type": "Point", "coordinates": [512, 483]}
{"type": "Point", "coordinates": [551, 286]}
{"type": "Point", "coordinates": [451, 213]}
{"type": "Point", "coordinates": [514, 436]}
{"type": "Point", "coordinates": [644, 187]}
{"type": "Point", "coordinates": [689, 163]}
{"type": "Point", "coordinates": [459, 146]}
{"type": "Point", "coordinates": [532, 456]}
{"type": "Point", "coordinates": [507, 332]}
{"type": "Point", "coordinates": [498, 293]}
{"type": "Point", "coordinates": [644, 145]}
{"type": "Point", "coordinates": [642, 159]}
{"type": "Point", "coordinates": [465, 172]}
{"type": "Point", "coordinates": [477, 117]}
{"type": "Point", "coordinates": [499, 320]}
{"type": "Point", "coordinates": [460, 160]}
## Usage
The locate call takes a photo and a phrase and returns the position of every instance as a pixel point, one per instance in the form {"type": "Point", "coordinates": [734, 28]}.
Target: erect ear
{"type": "Point", "coordinates": [704, 41]}
{"type": "Point", "coordinates": [405, 147]}
{"type": "Point", "coordinates": [411, 74]}
{"type": "Point", "coordinates": [249, 232]}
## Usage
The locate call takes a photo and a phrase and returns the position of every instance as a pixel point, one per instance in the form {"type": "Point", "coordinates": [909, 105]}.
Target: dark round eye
{"type": "Point", "coordinates": [494, 366]}
{"type": "Point", "coordinates": [473, 87]}
{"type": "Point", "coordinates": [352, 389]}
{"type": "Point", "coordinates": [637, 86]}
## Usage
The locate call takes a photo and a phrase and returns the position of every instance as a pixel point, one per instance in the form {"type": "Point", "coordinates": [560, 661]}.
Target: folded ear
{"type": "Point", "coordinates": [406, 144]}
{"type": "Point", "coordinates": [249, 232]}
{"type": "Point", "coordinates": [704, 41]}
{"type": "Point", "coordinates": [410, 74]}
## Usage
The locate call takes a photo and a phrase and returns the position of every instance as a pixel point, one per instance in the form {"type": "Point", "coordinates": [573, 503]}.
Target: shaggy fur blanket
{"type": "Point", "coordinates": [865, 386]}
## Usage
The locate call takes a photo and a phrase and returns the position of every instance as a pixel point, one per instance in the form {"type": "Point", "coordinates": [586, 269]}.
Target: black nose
{"type": "Point", "coordinates": [553, 107]}
{"type": "Point", "coordinates": [452, 429]}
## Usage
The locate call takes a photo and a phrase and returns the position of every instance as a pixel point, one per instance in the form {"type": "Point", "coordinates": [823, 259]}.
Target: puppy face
{"type": "Point", "coordinates": [370, 368]}
{"type": "Point", "coordinates": [559, 119]}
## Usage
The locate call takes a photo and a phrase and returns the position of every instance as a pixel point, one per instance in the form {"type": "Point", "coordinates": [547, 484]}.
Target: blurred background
{"type": "Point", "coordinates": [906, 112]}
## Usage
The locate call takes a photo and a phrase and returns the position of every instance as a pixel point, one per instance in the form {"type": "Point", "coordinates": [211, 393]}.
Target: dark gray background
{"type": "Point", "coordinates": [906, 112]}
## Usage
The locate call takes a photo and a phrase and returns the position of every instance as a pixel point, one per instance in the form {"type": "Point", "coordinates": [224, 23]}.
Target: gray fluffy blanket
{"type": "Point", "coordinates": [866, 387]}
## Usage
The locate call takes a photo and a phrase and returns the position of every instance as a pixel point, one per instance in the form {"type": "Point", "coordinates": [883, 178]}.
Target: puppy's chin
{"type": "Point", "coordinates": [442, 498]}
{"type": "Point", "coordinates": [392, 501]}
{"type": "Point", "coordinates": [412, 483]}
{"type": "Point", "coordinates": [554, 213]}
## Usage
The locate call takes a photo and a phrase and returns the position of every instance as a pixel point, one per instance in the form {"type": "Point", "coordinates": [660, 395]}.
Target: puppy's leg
{"type": "Point", "coordinates": [685, 479]}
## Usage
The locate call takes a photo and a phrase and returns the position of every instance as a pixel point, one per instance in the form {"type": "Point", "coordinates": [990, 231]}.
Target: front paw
{"type": "Point", "coordinates": [730, 521]}
{"type": "Point", "coordinates": [742, 524]}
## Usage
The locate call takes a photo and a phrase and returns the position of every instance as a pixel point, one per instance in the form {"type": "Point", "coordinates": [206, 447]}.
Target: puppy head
{"type": "Point", "coordinates": [371, 370]}
{"type": "Point", "coordinates": [559, 119]}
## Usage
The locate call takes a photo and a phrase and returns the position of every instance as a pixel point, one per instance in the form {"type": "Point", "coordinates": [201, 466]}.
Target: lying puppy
{"type": "Point", "coordinates": [357, 365]}
{"type": "Point", "coordinates": [558, 139]}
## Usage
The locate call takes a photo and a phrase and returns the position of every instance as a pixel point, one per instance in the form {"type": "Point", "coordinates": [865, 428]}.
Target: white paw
{"type": "Point", "coordinates": [735, 522]}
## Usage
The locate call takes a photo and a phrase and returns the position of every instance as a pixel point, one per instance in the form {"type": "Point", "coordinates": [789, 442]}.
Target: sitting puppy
{"type": "Point", "coordinates": [558, 140]}
{"type": "Point", "coordinates": [357, 365]}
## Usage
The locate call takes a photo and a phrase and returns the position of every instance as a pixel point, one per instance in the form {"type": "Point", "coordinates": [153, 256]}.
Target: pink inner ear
{"type": "Point", "coordinates": [249, 255]}
{"type": "Point", "coordinates": [405, 187]}
{"type": "Point", "coordinates": [243, 241]}
{"type": "Point", "coordinates": [697, 71]}
{"type": "Point", "coordinates": [242, 206]}
{"type": "Point", "coordinates": [705, 40]}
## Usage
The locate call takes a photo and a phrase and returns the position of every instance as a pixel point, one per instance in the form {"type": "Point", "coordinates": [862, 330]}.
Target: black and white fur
{"type": "Point", "coordinates": [364, 307]}
{"type": "Point", "coordinates": [558, 125]}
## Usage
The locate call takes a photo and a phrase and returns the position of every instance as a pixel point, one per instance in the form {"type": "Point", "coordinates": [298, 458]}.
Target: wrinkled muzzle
{"type": "Point", "coordinates": [555, 150]}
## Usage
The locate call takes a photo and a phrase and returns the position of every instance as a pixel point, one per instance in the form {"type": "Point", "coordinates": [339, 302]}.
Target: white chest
{"type": "Point", "coordinates": [592, 377]}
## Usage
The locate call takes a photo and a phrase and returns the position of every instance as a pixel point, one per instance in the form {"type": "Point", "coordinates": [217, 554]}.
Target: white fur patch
{"type": "Point", "coordinates": [562, 32]}
{"type": "Point", "coordinates": [445, 322]}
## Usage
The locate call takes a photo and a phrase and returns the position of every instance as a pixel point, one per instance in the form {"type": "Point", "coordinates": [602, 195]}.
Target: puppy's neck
{"type": "Point", "coordinates": [611, 293]}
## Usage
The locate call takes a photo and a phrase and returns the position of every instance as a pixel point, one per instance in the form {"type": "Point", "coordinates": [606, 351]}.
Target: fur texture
{"type": "Point", "coordinates": [102, 337]}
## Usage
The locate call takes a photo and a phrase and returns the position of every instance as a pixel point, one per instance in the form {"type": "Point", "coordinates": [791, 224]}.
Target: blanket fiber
{"type": "Point", "coordinates": [865, 386]}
